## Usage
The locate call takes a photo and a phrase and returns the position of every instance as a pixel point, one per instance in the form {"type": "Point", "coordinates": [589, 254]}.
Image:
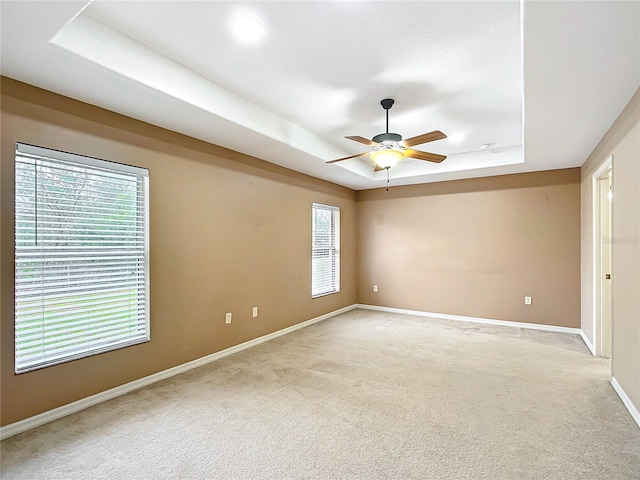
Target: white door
{"type": "Point", "coordinates": [604, 278]}
{"type": "Point", "coordinates": [607, 197]}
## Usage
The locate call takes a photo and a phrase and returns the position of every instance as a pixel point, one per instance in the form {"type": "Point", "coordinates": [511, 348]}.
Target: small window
{"type": "Point", "coordinates": [325, 251]}
{"type": "Point", "coordinates": [81, 257]}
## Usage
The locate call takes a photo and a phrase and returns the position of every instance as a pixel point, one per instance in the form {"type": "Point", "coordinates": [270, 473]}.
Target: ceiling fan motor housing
{"type": "Point", "coordinates": [387, 138]}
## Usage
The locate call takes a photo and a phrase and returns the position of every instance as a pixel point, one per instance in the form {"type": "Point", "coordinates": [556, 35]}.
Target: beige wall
{"type": "Point", "coordinates": [227, 232]}
{"type": "Point", "coordinates": [623, 142]}
{"type": "Point", "coordinates": [230, 231]}
{"type": "Point", "coordinates": [475, 247]}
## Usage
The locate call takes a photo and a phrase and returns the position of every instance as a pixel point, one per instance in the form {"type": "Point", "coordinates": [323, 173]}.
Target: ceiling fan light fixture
{"type": "Point", "coordinates": [387, 157]}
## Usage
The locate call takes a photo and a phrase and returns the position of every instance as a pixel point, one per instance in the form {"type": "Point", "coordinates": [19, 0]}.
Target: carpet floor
{"type": "Point", "coordinates": [364, 395]}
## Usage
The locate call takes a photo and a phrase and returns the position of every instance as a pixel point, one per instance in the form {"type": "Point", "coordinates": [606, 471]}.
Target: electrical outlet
{"type": "Point", "coordinates": [375, 289]}
{"type": "Point", "coordinates": [255, 312]}
{"type": "Point", "coordinates": [227, 318]}
{"type": "Point", "coordinates": [527, 300]}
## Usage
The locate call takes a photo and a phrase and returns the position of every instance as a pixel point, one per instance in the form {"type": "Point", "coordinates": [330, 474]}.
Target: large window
{"type": "Point", "coordinates": [81, 257]}
{"type": "Point", "coordinates": [325, 251]}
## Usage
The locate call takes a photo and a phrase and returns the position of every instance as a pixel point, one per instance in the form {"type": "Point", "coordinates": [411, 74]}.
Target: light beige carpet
{"type": "Point", "coordinates": [364, 395]}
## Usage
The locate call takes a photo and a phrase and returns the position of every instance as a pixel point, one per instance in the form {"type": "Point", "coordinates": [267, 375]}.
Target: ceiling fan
{"type": "Point", "coordinates": [389, 148]}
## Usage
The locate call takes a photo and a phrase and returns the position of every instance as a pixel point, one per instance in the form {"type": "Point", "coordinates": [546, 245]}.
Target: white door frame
{"type": "Point", "coordinates": [598, 321]}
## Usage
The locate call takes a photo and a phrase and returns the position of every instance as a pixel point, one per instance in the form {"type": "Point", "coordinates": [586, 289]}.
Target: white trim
{"type": "Point", "coordinates": [488, 321]}
{"type": "Point", "coordinates": [57, 413]}
{"type": "Point", "coordinates": [626, 400]}
{"type": "Point", "coordinates": [588, 343]}
{"type": "Point", "coordinates": [325, 206]}
{"type": "Point", "coordinates": [595, 227]}
{"type": "Point", "coordinates": [606, 164]}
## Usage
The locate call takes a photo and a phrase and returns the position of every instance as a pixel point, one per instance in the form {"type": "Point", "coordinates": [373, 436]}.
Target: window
{"type": "Point", "coordinates": [325, 251]}
{"type": "Point", "coordinates": [81, 257]}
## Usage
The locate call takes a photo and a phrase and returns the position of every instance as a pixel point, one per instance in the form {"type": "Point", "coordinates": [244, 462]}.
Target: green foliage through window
{"type": "Point", "coordinates": [81, 255]}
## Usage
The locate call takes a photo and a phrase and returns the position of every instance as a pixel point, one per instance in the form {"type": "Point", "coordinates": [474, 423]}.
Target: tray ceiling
{"type": "Point", "coordinates": [539, 82]}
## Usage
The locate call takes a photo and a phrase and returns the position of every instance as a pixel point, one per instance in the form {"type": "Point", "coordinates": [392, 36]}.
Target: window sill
{"type": "Point", "coordinates": [325, 294]}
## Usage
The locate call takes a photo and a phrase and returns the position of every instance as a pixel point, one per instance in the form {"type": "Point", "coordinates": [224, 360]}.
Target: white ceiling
{"type": "Point", "coordinates": [539, 81]}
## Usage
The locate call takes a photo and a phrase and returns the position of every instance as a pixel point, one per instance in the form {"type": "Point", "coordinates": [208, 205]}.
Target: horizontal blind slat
{"type": "Point", "coordinates": [31, 317]}
{"type": "Point", "coordinates": [53, 304]}
{"type": "Point", "coordinates": [97, 285]}
{"type": "Point", "coordinates": [27, 161]}
{"type": "Point", "coordinates": [122, 329]}
{"type": "Point", "coordinates": [39, 360]}
{"type": "Point", "coordinates": [58, 276]}
{"type": "Point", "coordinates": [75, 249]}
{"type": "Point", "coordinates": [71, 333]}
{"type": "Point", "coordinates": [72, 348]}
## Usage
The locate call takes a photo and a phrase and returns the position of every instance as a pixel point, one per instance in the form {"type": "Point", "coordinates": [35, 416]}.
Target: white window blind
{"type": "Point", "coordinates": [81, 257]}
{"type": "Point", "coordinates": [325, 266]}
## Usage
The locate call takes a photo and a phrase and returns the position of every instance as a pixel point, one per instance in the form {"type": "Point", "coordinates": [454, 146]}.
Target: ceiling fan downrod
{"type": "Point", "coordinates": [387, 138]}
{"type": "Point", "coordinates": [387, 103]}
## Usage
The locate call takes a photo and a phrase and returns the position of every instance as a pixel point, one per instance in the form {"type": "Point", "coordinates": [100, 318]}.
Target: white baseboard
{"type": "Point", "coordinates": [462, 318]}
{"type": "Point", "coordinates": [588, 343]}
{"type": "Point", "coordinates": [626, 400]}
{"type": "Point", "coordinates": [57, 413]}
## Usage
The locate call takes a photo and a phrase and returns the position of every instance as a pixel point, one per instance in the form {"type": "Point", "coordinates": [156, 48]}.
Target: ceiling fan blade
{"type": "Point", "coordinates": [366, 141]}
{"type": "Point", "coordinates": [429, 157]}
{"type": "Point", "coordinates": [424, 138]}
{"type": "Point", "coordinates": [347, 158]}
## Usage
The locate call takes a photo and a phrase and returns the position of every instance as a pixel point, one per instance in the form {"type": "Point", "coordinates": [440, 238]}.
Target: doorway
{"type": "Point", "coordinates": [603, 243]}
